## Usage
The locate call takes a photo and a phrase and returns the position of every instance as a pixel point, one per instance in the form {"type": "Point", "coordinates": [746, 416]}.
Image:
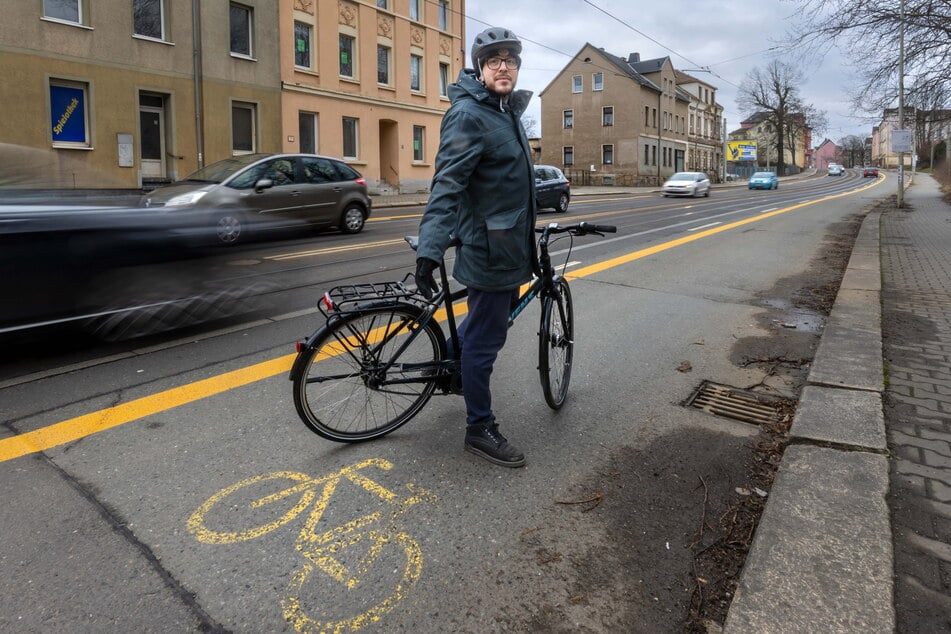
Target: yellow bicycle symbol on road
{"type": "Point", "coordinates": [382, 542]}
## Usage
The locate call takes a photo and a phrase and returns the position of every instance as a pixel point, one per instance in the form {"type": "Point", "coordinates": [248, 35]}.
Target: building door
{"type": "Point", "coordinates": [389, 153]}
{"type": "Point", "coordinates": [678, 160]}
{"type": "Point", "coordinates": [152, 136]}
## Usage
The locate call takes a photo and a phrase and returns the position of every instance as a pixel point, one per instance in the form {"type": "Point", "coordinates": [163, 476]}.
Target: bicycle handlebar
{"type": "Point", "coordinates": [579, 229]}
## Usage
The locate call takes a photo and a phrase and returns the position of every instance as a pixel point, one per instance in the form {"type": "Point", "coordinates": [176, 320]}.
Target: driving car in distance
{"type": "Point", "coordinates": [687, 184]}
{"type": "Point", "coordinates": [764, 180]}
{"type": "Point", "coordinates": [552, 189]}
{"type": "Point", "coordinates": [836, 170]}
{"type": "Point", "coordinates": [870, 171]}
{"type": "Point", "coordinates": [227, 200]}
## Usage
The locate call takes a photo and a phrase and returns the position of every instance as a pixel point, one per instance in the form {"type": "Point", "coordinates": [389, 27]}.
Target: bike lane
{"type": "Point", "coordinates": [493, 539]}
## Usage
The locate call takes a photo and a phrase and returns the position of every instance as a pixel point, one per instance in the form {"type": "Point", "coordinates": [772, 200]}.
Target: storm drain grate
{"type": "Point", "coordinates": [732, 402]}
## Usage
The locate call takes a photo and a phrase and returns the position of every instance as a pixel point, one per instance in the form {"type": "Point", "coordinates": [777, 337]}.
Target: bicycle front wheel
{"type": "Point", "coordinates": [367, 373]}
{"type": "Point", "coordinates": [556, 344]}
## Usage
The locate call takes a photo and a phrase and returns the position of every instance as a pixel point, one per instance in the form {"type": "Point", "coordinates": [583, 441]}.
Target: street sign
{"type": "Point", "coordinates": [901, 141]}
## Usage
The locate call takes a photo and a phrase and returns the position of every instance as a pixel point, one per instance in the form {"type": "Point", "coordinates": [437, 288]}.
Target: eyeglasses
{"type": "Point", "coordinates": [495, 63]}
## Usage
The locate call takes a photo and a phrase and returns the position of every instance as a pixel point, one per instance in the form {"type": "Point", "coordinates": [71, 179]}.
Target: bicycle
{"type": "Point", "coordinates": [381, 354]}
{"type": "Point", "coordinates": [371, 546]}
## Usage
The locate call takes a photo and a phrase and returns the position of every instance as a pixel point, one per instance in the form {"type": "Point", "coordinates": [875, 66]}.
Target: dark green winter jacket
{"type": "Point", "coordinates": [483, 191]}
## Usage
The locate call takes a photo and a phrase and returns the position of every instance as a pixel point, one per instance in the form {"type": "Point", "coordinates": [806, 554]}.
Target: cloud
{"type": "Point", "coordinates": [728, 38]}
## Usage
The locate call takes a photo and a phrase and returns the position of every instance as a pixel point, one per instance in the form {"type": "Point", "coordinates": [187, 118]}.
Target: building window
{"type": "Point", "coordinates": [69, 107]}
{"type": "Point", "coordinates": [242, 128]}
{"type": "Point", "coordinates": [647, 155]}
{"type": "Point", "coordinates": [443, 15]}
{"type": "Point", "coordinates": [443, 80]}
{"type": "Point", "coordinates": [351, 130]}
{"type": "Point", "coordinates": [346, 55]}
{"type": "Point", "coordinates": [65, 10]}
{"type": "Point", "coordinates": [383, 4]}
{"type": "Point", "coordinates": [647, 116]}
{"type": "Point", "coordinates": [419, 136]}
{"type": "Point", "coordinates": [597, 81]}
{"type": "Point", "coordinates": [415, 72]}
{"type": "Point", "coordinates": [568, 119]}
{"type": "Point", "coordinates": [576, 83]}
{"type": "Point", "coordinates": [148, 18]}
{"type": "Point", "coordinates": [302, 34]}
{"type": "Point", "coordinates": [242, 40]}
{"type": "Point", "coordinates": [383, 65]}
{"type": "Point", "coordinates": [415, 11]}
{"type": "Point", "coordinates": [654, 117]}
{"type": "Point", "coordinates": [607, 154]}
{"type": "Point", "coordinates": [307, 132]}
{"type": "Point", "coordinates": [653, 155]}
{"type": "Point", "coordinates": [607, 116]}
{"type": "Point", "coordinates": [569, 154]}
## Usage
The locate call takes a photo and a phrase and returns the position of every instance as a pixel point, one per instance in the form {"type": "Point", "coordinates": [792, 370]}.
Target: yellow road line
{"type": "Point", "coordinates": [94, 422]}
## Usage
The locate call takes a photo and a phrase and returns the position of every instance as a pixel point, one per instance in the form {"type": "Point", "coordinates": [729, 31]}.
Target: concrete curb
{"type": "Point", "coordinates": [822, 558]}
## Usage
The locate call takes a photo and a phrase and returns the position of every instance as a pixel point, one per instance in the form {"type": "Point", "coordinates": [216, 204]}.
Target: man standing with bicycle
{"type": "Point", "coordinates": [483, 197]}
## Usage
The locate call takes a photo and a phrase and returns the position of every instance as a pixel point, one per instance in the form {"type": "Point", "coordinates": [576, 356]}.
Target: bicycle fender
{"type": "Point", "coordinates": [306, 346]}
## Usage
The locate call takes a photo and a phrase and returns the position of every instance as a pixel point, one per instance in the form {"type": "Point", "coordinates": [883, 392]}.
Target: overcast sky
{"type": "Point", "coordinates": [728, 37]}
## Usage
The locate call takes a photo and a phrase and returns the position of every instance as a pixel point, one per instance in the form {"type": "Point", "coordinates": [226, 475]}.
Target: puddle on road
{"type": "Point", "coordinates": [793, 317]}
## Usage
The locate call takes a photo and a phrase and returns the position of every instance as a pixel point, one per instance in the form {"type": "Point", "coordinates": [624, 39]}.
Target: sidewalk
{"type": "Point", "coordinates": [823, 558]}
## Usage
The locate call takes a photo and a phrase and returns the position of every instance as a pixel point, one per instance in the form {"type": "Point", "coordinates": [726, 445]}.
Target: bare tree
{"type": "Point", "coordinates": [774, 92]}
{"type": "Point", "coordinates": [806, 118]}
{"type": "Point", "coordinates": [868, 33]}
{"type": "Point", "coordinates": [530, 124]}
{"type": "Point", "coordinates": [853, 150]}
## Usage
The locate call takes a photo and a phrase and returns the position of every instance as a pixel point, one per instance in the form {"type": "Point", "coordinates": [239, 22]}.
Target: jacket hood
{"type": "Point", "coordinates": [468, 86]}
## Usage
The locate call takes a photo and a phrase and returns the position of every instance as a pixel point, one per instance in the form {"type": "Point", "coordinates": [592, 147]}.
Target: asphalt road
{"type": "Point", "coordinates": [129, 471]}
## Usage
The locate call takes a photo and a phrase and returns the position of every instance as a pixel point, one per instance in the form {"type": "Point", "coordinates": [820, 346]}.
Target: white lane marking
{"type": "Point", "coordinates": [707, 226]}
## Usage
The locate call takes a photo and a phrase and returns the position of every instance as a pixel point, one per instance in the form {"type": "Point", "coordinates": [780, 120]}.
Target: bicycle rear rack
{"type": "Point", "coordinates": [351, 297]}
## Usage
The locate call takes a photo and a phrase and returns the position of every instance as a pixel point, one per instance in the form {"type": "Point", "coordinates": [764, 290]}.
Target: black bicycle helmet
{"type": "Point", "coordinates": [490, 39]}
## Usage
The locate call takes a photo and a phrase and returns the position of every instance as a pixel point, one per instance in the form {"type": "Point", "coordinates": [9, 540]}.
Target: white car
{"type": "Point", "coordinates": [836, 170]}
{"type": "Point", "coordinates": [687, 184]}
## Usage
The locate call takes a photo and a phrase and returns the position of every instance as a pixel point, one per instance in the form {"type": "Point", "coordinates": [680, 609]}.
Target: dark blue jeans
{"type": "Point", "coordinates": [482, 335]}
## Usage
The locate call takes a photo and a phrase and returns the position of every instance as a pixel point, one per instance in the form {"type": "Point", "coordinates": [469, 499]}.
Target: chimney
{"type": "Point", "coordinates": [633, 58]}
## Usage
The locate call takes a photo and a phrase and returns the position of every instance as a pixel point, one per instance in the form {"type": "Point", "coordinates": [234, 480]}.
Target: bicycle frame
{"type": "Point", "coordinates": [542, 286]}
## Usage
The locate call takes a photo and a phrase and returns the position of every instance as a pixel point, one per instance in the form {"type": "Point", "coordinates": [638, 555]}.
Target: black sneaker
{"type": "Point", "coordinates": [486, 441]}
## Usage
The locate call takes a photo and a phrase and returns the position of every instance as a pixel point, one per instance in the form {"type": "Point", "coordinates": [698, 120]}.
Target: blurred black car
{"type": "Point", "coordinates": [111, 272]}
{"type": "Point", "coordinates": [552, 189]}
{"type": "Point", "coordinates": [229, 199]}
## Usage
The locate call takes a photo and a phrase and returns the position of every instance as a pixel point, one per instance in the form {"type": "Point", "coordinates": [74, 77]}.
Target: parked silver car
{"type": "Point", "coordinates": [228, 199]}
{"type": "Point", "coordinates": [687, 184]}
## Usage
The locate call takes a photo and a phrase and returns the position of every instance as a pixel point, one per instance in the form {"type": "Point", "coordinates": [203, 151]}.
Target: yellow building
{"type": "Point", "coordinates": [126, 93]}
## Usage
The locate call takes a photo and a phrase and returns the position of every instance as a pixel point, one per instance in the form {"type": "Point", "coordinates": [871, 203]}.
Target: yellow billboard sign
{"type": "Point", "coordinates": [741, 150]}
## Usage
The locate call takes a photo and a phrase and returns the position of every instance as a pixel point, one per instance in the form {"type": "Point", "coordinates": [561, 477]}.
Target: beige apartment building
{"type": "Point", "coordinates": [126, 93]}
{"type": "Point", "coordinates": [368, 82]}
{"type": "Point", "coordinates": [118, 93]}
{"type": "Point", "coordinates": [614, 120]}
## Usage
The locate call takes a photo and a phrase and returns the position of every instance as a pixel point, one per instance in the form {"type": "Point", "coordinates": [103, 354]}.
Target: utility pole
{"type": "Point", "coordinates": [723, 148]}
{"type": "Point", "coordinates": [901, 100]}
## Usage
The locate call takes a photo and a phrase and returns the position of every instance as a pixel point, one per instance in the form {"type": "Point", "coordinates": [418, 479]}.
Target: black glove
{"type": "Point", "coordinates": [425, 282]}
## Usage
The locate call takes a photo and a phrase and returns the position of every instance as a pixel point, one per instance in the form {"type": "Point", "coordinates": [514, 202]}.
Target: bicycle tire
{"type": "Point", "coordinates": [339, 391]}
{"type": "Point", "coordinates": [556, 344]}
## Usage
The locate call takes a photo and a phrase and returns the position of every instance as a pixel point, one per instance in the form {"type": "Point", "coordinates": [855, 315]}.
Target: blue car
{"type": "Point", "coordinates": [764, 180]}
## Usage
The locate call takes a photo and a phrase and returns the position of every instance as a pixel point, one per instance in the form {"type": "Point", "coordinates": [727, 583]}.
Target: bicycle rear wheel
{"type": "Point", "coordinates": [556, 344]}
{"type": "Point", "coordinates": [348, 387]}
